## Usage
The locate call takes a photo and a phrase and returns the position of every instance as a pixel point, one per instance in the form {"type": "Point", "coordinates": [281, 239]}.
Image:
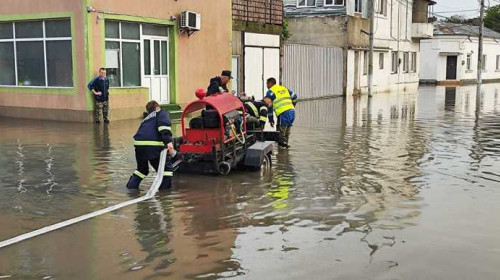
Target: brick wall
{"type": "Point", "coordinates": [259, 11]}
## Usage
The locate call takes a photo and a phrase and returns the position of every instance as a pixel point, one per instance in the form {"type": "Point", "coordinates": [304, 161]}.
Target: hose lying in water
{"type": "Point", "coordinates": [150, 194]}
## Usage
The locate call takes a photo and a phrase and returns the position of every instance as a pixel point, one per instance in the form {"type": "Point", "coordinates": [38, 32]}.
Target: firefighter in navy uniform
{"type": "Point", "coordinates": [258, 110]}
{"type": "Point", "coordinates": [154, 135]}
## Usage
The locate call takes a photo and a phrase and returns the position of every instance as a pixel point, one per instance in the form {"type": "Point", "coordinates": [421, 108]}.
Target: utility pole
{"type": "Point", "coordinates": [480, 61]}
{"type": "Point", "coordinates": [371, 12]}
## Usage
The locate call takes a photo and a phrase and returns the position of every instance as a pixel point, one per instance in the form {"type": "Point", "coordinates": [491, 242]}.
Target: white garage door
{"type": "Point", "coordinates": [262, 61]}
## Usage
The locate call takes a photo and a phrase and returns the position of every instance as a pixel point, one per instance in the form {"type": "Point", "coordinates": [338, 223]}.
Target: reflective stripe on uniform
{"type": "Point", "coordinates": [254, 109]}
{"type": "Point", "coordinates": [139, 174]}
{"type": "Point", "coordinates": [168, 173]}
{"type": "Point", "coordinates": [149, 143]}
{"type": "Point", "coordinates": [263, 118]}
{"type": "Point", "coordinates": [161, 128]}
{"type": "Point", "coordinates": [283, 101]}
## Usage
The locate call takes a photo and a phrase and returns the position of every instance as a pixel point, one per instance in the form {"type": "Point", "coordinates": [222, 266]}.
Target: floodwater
{"type": "Point", "coordinates": [399, 186]}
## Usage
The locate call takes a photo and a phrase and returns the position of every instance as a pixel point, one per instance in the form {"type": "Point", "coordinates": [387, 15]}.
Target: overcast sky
{"type": "Point", "coordinates": [463, 7]}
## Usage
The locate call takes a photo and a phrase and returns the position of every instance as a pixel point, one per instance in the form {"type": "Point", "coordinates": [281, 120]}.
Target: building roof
{"type": "Point", "coordinates": [442, 28]}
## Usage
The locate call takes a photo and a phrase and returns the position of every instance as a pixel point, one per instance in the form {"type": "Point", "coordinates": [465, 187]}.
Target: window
{"type": "Point", "coordinates": [36, 53]}
{"type": "Point", "coordinates": [306, 3]}
{"type": "Point", "coordinates": [484, 62]}
{"type": "Point", "coordinates": [498, 63]}
{"type": "Point", "coordinates": [406, 58]}
{"type": "Point", "coordinates": [414, 62]}
{"type": "Point", "coordinates": [394, 62]}
{"type": "Point", "coordinates": [123, 41]}
{"type": "Point", "coordinates": [381, 7]}
{"type": "Point", "coordinates": [365, 62]}
{"type": "Point", "coordinates": [334, 2]}
{"type": "Point", "coordinates": [358, 8]}
{"type": "Point", "coordinates": [469, 62]}
{"type": "Point", "coordinates": [381, 61]}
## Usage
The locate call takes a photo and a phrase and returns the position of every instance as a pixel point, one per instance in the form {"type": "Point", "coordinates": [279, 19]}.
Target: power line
{"type": "Point", "coordinates": [458, 11]}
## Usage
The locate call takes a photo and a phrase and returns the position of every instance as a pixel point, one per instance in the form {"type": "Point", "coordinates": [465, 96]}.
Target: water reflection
{"type": "Point", "coordinates": [370, 186]}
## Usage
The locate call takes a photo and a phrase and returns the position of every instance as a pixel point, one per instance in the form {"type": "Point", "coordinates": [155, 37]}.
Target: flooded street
{"type": "Point", "coordinates": [399, 186]}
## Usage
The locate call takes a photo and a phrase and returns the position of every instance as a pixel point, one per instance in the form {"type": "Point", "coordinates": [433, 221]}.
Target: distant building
{"type": "Point", "coordinates": [256, 44]}
{"type": "Point", "coordinates": [451, 56]}
{"type": "Point", "coordinates": [50, 51]}
{"type": "Point", "coordinates": [399, 27]}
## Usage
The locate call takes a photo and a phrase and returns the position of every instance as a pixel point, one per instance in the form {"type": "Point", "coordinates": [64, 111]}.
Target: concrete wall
{"type": "Point", "coordinates": [320, 31]}
{"type": "Point", "coordinates": [434, 63]}
{"type": "Point", "coordinates": [198, 58]}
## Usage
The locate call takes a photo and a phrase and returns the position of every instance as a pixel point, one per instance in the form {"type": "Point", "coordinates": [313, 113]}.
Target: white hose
{"type": "Point", "coordinates": [150, 194]}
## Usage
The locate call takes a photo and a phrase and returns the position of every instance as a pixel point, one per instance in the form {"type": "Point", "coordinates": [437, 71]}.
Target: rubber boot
{"type": "Point", "coordinates": [287, 135]}
{"type": "Point", "coordinates": [282, 139]}
{"type": "Point", "coordinates": [166, 183]}
{"type": "Point", "coordinates": [134, 182]}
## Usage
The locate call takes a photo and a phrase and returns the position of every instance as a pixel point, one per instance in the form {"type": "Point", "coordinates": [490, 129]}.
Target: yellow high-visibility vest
{"type": "Point", "coordinates": [283, 100]}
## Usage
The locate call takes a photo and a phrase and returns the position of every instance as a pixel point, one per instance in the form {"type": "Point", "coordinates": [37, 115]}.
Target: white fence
{"type": "Point", "coordinates": [313, 71]}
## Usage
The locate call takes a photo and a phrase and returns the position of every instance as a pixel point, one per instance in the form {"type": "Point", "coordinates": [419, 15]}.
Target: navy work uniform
{"type": "Point", "coordinates": [153, 136]}
{"type": "Point", "coordinates": [258, 110]}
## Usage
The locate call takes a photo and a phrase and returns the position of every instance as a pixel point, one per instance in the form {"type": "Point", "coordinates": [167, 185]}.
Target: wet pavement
{"type": "Point", "coordinates": [399, 186]}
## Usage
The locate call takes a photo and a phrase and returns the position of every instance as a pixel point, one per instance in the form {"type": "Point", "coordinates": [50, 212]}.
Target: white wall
{"type": "Point", "coordinates": [392, 33]}
{"type": "Point", "coordinates": [434, 64]}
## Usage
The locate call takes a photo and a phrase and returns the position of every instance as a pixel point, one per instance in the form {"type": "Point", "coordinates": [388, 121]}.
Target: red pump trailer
{"type": "Point", "coordinates": [216, 139]}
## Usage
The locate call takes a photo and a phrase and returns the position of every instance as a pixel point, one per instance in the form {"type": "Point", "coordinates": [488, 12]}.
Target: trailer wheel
{"type": "Point", "coordinates": [266, 162]}
{"type": "Point", "coordinates": [224, 168]}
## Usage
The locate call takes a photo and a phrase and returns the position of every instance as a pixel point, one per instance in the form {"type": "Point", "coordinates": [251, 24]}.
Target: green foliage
{"type": "Point", "coordinates": [492, 18]}
{"type": "Point", "coordinates": [286, 30]}
{"type": "Point", "coordinates": [461, 20]}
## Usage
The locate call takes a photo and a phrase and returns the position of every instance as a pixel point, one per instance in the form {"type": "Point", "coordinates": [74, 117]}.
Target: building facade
{"type": "Point", "coordinates": [450, 57]}
{"type": "Point", "coordinates": [256, 44]}
{"type": "Point", "coordinates": [50, 50]}
{"type": "Point", "coordinates": [399, 27]}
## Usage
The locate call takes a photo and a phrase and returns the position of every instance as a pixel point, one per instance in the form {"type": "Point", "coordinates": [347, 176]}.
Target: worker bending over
{"type": "Point", "coordinates": [154, 135]}
{"type": "Point", "coordinates": [257, 111]}
{"type": "Point", "coordinates": [283, 102]}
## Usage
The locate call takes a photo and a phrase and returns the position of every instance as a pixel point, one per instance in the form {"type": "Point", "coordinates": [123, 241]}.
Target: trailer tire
{"type": "Point", "coordinates": [266, 163]}
{"type": "Point", "coordinates": [224, 168]}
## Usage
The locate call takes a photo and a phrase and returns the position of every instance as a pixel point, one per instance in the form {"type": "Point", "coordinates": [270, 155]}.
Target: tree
{"type": "Point", "coordinates": [460, 19]}
{"type": "Point", "coordinates": [492, 18]}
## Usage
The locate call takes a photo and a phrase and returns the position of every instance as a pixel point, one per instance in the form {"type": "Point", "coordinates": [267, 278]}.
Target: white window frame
{"type": "Point", "coordinates": [381, 62]}
{"type": "Point", "coordinates": [413, 65]}
{"type": "Point", "coordinates": [358, 7]}
{"type": "Point", "coordinates": [305, 4]}
{"type": "Point", "coordinates": [43, 39]}
{"type": "Point", "coordinates": [406, 62]}
{"type": "Point", "coordinates": [121, 41]}
{"type": "Point", "coordinates": [333, 3]}
{"type": "Point", "coordinates": [468, 62]}
{"type": "Point", "coordinates": [394, 62]}
{"type": "Point", "coordinates": [381, 8]}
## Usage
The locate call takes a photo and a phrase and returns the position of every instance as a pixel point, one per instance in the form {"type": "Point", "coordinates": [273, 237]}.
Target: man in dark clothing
{"type": "Point", "coordinates": [219, 83]}
{"type": "Point", "coordinates": [154, 135]}
{"type": "Point", "coordinates": [257, 112]}
{"type": "Point", "coordinates": [100, 87]}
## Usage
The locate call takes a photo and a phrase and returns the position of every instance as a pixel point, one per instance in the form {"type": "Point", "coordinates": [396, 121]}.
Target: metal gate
{"type": "Point", "coordinates": [313, 71]}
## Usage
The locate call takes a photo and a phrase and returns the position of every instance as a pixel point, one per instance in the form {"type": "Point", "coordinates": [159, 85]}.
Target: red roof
{"type": "Point", "coordinates": [222, 102]}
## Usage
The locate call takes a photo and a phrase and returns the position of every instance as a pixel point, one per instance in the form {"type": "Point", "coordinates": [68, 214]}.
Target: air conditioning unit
{"type": "Point", "coordinates": [190, 20]}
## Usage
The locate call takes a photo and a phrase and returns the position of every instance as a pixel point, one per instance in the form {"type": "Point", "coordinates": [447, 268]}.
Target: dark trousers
{"type": "Point", "coordinates": [145, 156]}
